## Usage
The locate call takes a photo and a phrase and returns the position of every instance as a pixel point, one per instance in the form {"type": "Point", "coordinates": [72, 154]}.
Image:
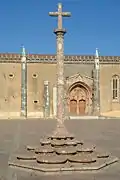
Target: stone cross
{"type": "Point", "coordinates": [60, 64]}
{"type": "Point", "coordinates": [23, 84]}
{"type": "Point", "coordinates": [60, 14]}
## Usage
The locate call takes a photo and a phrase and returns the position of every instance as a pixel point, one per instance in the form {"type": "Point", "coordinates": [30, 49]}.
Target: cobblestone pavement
{"type": "Point", "coordinates": [14, 134]}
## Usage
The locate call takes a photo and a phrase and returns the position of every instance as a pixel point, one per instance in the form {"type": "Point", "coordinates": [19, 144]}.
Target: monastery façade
{"type": "Point", "coordinates": [79, 86]}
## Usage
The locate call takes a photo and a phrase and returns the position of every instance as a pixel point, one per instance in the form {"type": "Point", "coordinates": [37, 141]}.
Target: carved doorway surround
{"type": "Point", "coordinates": [78, 100]}
{"type": "Point", "coordinates": [79, 95]}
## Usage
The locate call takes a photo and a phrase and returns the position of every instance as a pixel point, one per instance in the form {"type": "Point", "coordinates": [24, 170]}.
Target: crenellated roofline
{"type": "Point", "coordinates": [69, 59]}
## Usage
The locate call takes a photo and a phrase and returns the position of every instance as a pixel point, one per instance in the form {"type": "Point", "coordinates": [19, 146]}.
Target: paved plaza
{"type": "Point", "coordinates": [16, 134]}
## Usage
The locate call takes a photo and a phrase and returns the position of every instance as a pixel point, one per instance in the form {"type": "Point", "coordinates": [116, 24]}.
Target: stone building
{"type": "Point", "coordinates": [41, 84]}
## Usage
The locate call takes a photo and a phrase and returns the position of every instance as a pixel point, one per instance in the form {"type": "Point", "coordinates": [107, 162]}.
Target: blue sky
{"type": "Point", "coordinates": [94, 23]}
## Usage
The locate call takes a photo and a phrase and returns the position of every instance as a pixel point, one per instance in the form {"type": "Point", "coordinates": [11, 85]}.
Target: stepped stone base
{"type": "Point", "coordinates": [84, 117]}
{"type": "Point", "coordinates": [50, 168]}
{"type": "Point", "coordinates": [61, 152]}
{"type": "Point", "coordinates": [88, 117]}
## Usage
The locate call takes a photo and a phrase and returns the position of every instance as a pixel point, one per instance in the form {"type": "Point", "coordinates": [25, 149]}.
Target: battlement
{"type": "Point", "coordinates": [69, 59]}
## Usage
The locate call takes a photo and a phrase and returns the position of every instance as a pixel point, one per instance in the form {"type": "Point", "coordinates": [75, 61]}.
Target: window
{"type": "Point", "coordinates": [115, 87]}
{"type": "Point", "coordinates": [34, 75]}
{"type": "Point", "coordinates": [35, 101]}
{"type": "Point", "coordinates": [11, 75]}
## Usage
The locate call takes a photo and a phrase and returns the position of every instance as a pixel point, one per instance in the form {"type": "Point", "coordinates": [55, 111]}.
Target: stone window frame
{"type": "Point", "coordinates": [115, 88]}
{"type": "Point", "coordinates": [34, 75]}
{"type": "Point", "coordinates": [35, 101]}
{"type": "Point", "coordinates": [11, 75]}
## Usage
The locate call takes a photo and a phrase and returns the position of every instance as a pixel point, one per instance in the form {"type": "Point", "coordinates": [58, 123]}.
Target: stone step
{"type": "Point", "coordinates": [86, 117]}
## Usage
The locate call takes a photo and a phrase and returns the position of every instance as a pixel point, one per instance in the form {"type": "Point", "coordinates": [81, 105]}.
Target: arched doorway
{"type": "Point", "coordinates": [82, 106]}
{"type": "Point", "coordinates": [73, 106]}
{"type": "Point", "coordinates": [78, 99]}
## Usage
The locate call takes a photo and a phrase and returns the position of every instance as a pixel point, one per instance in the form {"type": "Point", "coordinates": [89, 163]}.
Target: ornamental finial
{"type": "Point", "coordinates": [97, 53]}
{"type": "Point", "coordinates": [23, 51]}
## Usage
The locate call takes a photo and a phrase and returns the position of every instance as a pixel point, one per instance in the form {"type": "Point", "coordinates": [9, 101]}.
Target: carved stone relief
{"type": "Point", "coordinates": [79, 95]}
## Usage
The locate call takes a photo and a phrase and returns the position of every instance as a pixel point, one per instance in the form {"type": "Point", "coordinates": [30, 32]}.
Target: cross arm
{"type": "Point", "coordinates": [66, 14]}
{"type": "Point", "coordinates": [53, 14]}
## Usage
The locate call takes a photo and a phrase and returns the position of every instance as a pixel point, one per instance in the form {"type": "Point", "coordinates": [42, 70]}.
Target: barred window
{"type": "Point", "coordinates": [115, 87]}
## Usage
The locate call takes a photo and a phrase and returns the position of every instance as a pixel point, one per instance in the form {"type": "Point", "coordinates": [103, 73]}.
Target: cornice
{"type": "Point", "coordinates": [69, 59]}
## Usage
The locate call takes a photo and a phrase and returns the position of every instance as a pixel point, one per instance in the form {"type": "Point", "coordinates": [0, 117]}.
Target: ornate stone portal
{"type": "Point", "coordinates": [78, 100]}
{"type": "Point", "coordinates": [79, 95]}
{"type": "Point", "coordinates": [61, 152]}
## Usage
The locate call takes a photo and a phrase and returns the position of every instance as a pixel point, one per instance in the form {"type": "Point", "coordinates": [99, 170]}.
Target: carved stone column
{"type": "Point", "coordinates": [66, 96]}
{"type": "Point", "coordinates": [54, 101]}
{"type": "Point", "coordinates": [60, 31]}
{"type": "Point", "coordinates": [23, 84]}
{"type": "Point", "coordinates": [60, 76]}
{"type": "Point", "coordinates": [46, 99]}
{"type": "Point", "coordinates": [96, 86]}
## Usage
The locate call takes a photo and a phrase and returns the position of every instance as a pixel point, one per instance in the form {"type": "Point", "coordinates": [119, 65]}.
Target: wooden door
{"type": "Point", "coordinates": [82, 106]}
{"type": "Point", "coordinates": [73, 106]}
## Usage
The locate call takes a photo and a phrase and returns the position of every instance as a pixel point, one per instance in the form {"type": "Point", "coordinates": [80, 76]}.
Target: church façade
{"type": "Point", "coordinates": [41, 73]}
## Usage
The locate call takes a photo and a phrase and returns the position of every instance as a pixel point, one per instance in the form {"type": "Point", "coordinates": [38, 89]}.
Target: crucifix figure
{"type": "Point", "coordinates": [60, 64]}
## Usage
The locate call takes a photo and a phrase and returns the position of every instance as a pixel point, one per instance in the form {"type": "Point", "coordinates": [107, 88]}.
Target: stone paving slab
{"type": "Point", "coordinates": [105, 134]}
